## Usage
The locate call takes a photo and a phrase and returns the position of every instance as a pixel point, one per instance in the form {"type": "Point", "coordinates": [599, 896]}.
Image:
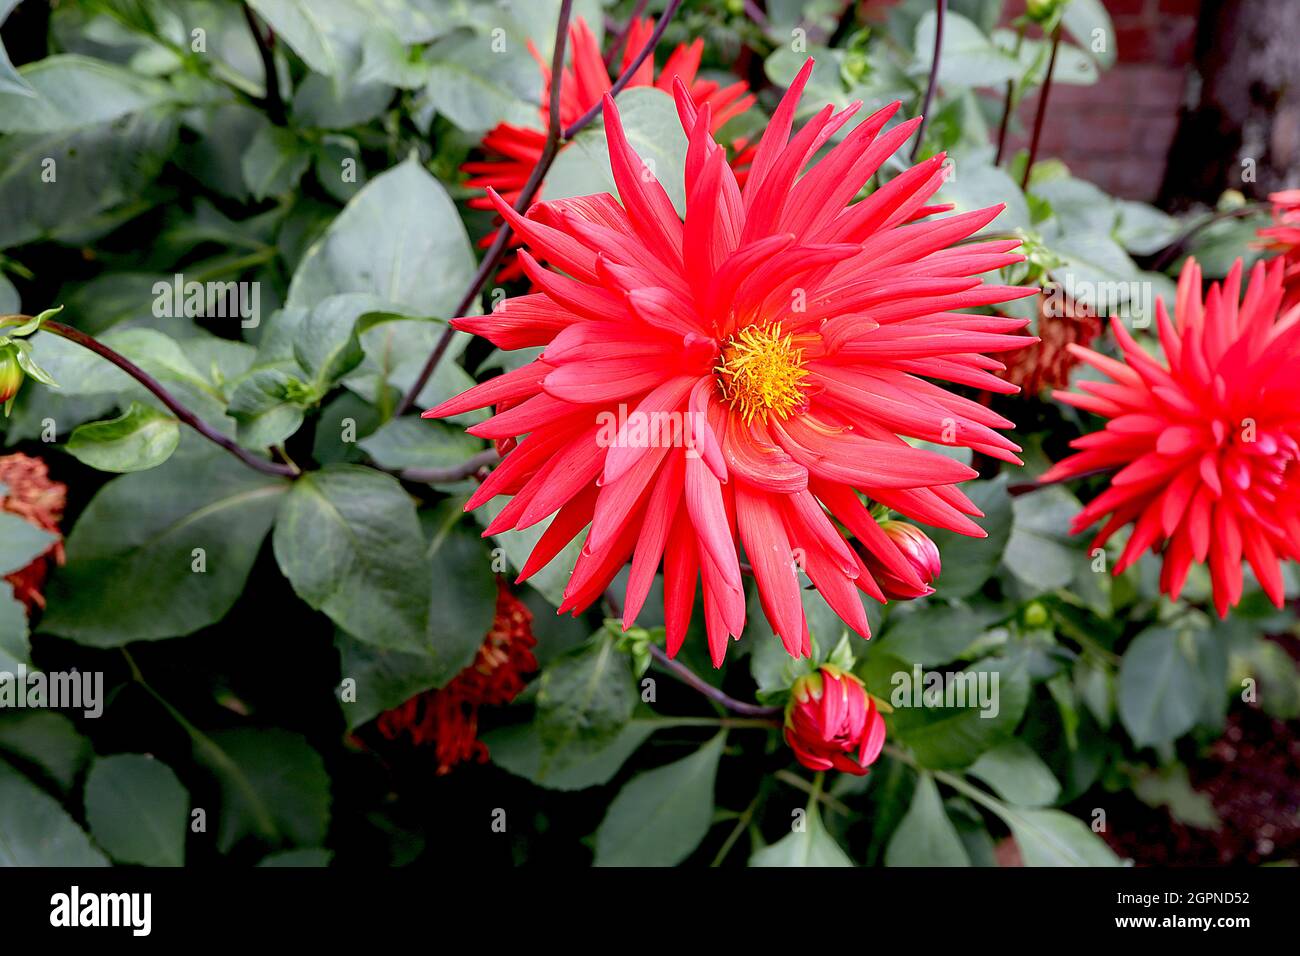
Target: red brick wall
{"type": "Point", "coordinates": [1117, 132]}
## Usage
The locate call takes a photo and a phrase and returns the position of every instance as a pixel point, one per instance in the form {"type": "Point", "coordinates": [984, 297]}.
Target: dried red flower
{"type": "Point", "coordinates": [448, 716]}
{"type": "Point", "coordinates": [30, 494]}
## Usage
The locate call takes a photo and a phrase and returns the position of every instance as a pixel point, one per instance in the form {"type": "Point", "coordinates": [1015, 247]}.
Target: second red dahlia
{"type": "Point", "coordinates": [1207, 441]}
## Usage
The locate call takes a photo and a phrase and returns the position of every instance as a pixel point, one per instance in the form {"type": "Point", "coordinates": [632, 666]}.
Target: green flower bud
{"type": "Point", "coordinates": [11, 376]}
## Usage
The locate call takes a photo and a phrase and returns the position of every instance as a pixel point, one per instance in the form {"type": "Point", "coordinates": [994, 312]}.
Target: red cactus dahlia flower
{"type": "Point", "coordinates": [513, 151]}
{"type": "Point", "coordinates": [1208, 440]}
{"type": "Point", "coordinates": [782, 333]}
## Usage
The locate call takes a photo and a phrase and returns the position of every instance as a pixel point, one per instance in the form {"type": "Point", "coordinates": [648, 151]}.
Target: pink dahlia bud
{"type": "Point", "coordinates": [11, 375]}
{"type": "Point", "coordinates": [920, 553]}
{"type": "Point", "coordinates": [831, 722]}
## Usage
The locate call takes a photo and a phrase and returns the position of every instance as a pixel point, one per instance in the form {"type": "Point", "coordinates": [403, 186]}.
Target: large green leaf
{"type": "Point", "coordinates": [35, 830]}
{"type": "Point", "coordinates": [411, 442]}
{"type": "Point", "coordinates": [934, 632]}
{"type": "Point", "coordinates": [273, 787]}
{"type": "Point", "coordinates": [661, 816]}
{"type": "Point", "coordinates": [132, 556]}
{"type": "Point", "coordinates": [476, 86]}
{"type": "Point", "coordinates": [21, 542]}
{"type": "Point", "coordinates": [1160, 689]}
{"type": "Point", "coordinates": [1053, 838]}
{"type": "Point", "coordinates": [15, 646]}
{"type": "Point", "coordinates": [967, 58]}
{"type": "Point", "coordinates": [519, 748]}
{"type": "Point", "coordinates": [993, 695]}
{"type": "Point", "coordinates": [585, 698]}
{"type": "Point", "coordinates": [384, 242]}
{"type": "Point", "coordinates": [1017, 774]}
{"type": "Point", "coordinates": [811, 845]}
{"type": "Point", "coordinates": [46, 739]}
{"type": "Point", "coordinates": [925, 836]}
{"type": "Point", "coordinates": [73, 92]}
{"type": "Point", "coordinates": [1040, 551]}
{"type": "Point", "coordinates": [137, 810]}
{"type": "Point", "coordinates": [349, 542]}
{"type": "Point", "coordinates": [140, 439]}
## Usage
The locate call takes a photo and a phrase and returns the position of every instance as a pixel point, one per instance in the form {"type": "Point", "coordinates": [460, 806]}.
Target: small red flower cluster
{"type": "Point", "coordinates": [448, 717]}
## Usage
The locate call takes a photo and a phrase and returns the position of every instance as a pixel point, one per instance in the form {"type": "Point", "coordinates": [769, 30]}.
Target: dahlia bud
{"type": "Point", "coordinates": [919, 552]}
{"type": "Point", "coordinates": [11, 375]}
{"type": "Point", "coordinates": [1041, 11]}
{"type": "Point", "coordinates": [831, 722]}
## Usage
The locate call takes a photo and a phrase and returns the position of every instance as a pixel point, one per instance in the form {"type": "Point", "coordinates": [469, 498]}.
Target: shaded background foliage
{"type": "Point", "coordinates": [173, 160]}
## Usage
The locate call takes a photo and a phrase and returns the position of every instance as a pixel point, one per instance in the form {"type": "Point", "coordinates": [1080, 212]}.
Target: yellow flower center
{"type": "Point", "coordinates": [762, 372]}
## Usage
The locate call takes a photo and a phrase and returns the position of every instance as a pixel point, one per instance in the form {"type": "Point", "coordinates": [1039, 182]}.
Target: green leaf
{"type": "Point", "coordinates": [1017, 774]}
{"type": "Point", "coordinates": [925, 836]}
{"type": "Point", "coordinates": [10, 80]}
{"type": "Point", "coordinates": [326, 34]}
{"type": "Point", "coordinates": [348, 540]}
{"type": "Point", "coordinates": [132, 556]}
{"type": "Point", "coordinates": [1171, 787]}
{"type": "Point", "coordinates": [35, 830]}
{"type": "Point", "coordinates": [21, 542]}
{"type": "Point", "coordinates": [417, 443]}
{"type": "Point", "coordinates": [46, 739]}
{"type": "Point", "coordinates": [969, 562]}
{"type": "Point", "coordinates": [137, 810]}
{"type": "Point", "coordinates": [935, 633]}
{"type": "Point", "coordinates": [268, 406]}
{"type": "Point", "coordinates": [519, 749]}
{"type": "Point", "coordinates": [660, 817]}
{"type": "Point", "coordinates": [100, 171]}
{"type": "Point", "coordinates": [585, 698]}
{"type": "Point", "coordinates": [327, 345]}
{"type": "Point", "coordinates": [15, 647]}
{"type": "Point", "coordinates": [382, 243]}
{"type": "Point", "coordinates": [459, 620]}
{"type": "Point", "coordinates": [140, 439]}
{"type": "Point", "coordinates": [989, 698]}
{"type": "Point", "coordinates": [977, 184]}
{"type": "Point", "coordinates": [73, 92]}
{"type": "Point", "coordinates": [476, 87]}
{"type": "Point", "coordinates": [968, 57]}
{"type": "Point", "coordinates": [654, 132]}
{"type": "Point", "coordinates": [1053, 838]}
{"type": "Point", "coordinates": [273, 786]}
{"type": "Point", "coordinates": [1089, 23]}
{"type": "Point", "coordinates": [810, 846]}
{"type": "Point", "coordinates": [1160, 689]}
{"type": "Point", "coordinates": [1040, 552]}
{"type": "Point", "coordinates": [274, 162]}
